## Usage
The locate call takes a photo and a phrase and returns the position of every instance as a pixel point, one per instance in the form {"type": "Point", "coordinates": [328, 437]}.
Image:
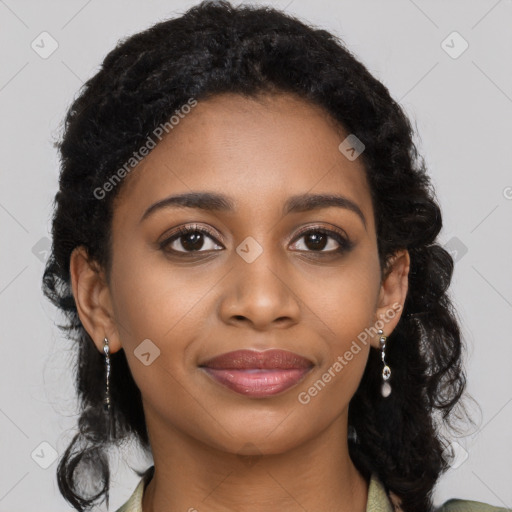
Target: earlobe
{"type": "Point", "coordinates": [92, 299]}
{"type": "Point", "coordinates": [393, 293]}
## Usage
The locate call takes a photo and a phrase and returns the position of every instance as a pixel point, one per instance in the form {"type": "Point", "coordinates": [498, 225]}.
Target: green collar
{"type": "Point", "coordinates": [378, 500]}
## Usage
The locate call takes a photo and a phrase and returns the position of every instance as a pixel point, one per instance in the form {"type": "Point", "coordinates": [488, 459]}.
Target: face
{"type": "Point", "coordinates": [260, 269]}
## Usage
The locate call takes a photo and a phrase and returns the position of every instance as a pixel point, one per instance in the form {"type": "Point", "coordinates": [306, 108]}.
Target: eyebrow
{"type": "Point", "coordinates": [212, 201]}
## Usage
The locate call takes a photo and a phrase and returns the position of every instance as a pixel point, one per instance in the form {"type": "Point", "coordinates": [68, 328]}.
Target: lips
{"type": "Point", "coordinates": [258, 374]}
{"type": "Point", "coordinates": [252, 359]}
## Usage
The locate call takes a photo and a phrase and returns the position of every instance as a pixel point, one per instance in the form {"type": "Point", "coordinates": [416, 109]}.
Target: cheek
{"type": "Point", "coordinates": [153, 300]}
{"type": "Point", "coordinates": [345, 299]}
{"type": "Point", "coordinates": [170, 307]}
{"type": "Point", "coordinates": [344, 307]}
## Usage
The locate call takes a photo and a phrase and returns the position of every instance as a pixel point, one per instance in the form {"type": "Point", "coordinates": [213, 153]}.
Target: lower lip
{"type": "Point", "coordinates": [258, 383]}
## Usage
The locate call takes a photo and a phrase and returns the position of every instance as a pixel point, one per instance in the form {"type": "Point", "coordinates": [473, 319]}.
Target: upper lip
{"type": "Point", "coordinates": [254, 359]}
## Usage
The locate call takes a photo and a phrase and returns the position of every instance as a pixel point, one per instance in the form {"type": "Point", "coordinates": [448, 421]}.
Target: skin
{"type": "Point", "coordinates": [293, 296]}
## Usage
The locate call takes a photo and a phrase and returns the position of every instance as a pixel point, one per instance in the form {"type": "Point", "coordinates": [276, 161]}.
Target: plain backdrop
{"type": "Point", "coordinates": [460, 101]}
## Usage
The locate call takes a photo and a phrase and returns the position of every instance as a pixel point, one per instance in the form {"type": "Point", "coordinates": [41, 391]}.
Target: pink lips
{"type": "Point", "coordinates": [258, 374]}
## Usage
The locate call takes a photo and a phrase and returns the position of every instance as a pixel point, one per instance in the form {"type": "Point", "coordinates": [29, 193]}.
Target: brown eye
{"type": "Point", "coordinates": [189, 239]}
{"type": "Point", "coordinates": [324, 241]}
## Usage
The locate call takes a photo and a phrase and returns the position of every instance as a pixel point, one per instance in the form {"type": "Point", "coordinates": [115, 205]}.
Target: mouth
{"type": "Point", "coordinates": [257, 374]}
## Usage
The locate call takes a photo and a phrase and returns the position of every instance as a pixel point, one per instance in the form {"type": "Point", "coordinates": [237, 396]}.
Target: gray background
{"type": "Point", "coordinates": [461, 108]}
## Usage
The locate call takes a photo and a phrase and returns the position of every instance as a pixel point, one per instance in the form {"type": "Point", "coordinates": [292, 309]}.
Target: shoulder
{"type": "Point", "coordinates": [380, 501]}
{"type": "Point", "coordinates": [134, 503]}
{"type": "Point", "coordinates": [458, 505]}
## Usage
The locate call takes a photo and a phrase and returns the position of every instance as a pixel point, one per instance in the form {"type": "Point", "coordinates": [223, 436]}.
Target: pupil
{"type": "Point", "coordinates": [318, 241]}
{"type": "Point", "coordinates": [192, 241]}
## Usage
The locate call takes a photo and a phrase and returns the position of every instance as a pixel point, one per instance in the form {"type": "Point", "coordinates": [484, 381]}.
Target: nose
{"type": "Point", "coordinates": [260, 293]}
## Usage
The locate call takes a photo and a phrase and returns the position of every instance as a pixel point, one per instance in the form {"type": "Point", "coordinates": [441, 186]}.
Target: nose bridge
{"type": "Point", "coordinates": [259, 264]}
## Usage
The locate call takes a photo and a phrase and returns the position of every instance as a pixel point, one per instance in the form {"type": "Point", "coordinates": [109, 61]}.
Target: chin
{"type": "Point", "coordinates": [261, 438]}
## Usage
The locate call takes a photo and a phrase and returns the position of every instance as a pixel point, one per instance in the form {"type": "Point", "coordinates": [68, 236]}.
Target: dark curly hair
{"type": "Point", "coordinates": [216, 48]}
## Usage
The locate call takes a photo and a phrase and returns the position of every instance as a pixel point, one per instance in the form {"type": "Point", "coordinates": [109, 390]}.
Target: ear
{"type": "Point", "coordinates": [93, 300]}
{"type": "Point", "coordinates": [392, 295]}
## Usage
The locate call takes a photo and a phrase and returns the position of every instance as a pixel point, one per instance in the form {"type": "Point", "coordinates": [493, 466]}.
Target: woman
{"type": "Point", "coordinates": [244, 243]}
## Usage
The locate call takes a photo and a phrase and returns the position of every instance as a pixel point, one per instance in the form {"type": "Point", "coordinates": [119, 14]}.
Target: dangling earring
{"type": "Point", "coordinates": [106, 402]}
{"type": "Point", "coordinates": [386, 370]}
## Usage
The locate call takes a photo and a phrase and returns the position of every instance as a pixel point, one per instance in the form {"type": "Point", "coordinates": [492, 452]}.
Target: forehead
{"type": "Point", "coordinates": [257, 151]}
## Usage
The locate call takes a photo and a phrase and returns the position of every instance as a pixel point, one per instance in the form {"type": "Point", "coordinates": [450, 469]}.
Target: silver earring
{"type": "Point", "coordinates": [106, 401]}
{"type": "Point", "coordinates": [110, 420]}
{"type": "Point", "coordinates": [386, 370]}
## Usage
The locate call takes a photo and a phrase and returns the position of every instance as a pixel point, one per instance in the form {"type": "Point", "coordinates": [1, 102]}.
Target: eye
{"type": "Point", "coordinates": [317, 239]}
{"type": "Point", "coordinates": [190, 239]}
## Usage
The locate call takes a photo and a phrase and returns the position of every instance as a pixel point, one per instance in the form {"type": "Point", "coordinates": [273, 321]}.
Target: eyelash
{"type": "Point", "coordinates": [345, 244]}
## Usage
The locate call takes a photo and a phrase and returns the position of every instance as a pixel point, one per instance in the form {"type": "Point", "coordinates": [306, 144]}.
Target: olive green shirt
{"type": "Point", "coordinates": [378, 500]}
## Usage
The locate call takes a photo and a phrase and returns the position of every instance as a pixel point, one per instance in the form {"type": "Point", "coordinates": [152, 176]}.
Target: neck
{"type": "Point", "coordinates": [316, 476]}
